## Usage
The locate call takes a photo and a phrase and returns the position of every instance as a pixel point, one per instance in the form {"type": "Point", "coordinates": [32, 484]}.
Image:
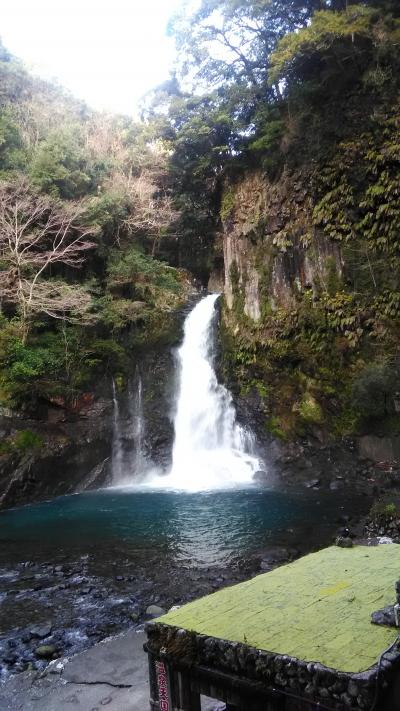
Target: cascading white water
{"type": "Point", "coordinates": [117, 453]}
{"type": "Point", "coordinates": [211, 450]}
{"type": "Point", "coordinates": [128, 456]}
{"type": "Point", "coordinates": [137, 425]}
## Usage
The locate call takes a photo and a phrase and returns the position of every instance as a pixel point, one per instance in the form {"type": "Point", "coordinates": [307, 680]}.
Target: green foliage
{"type": "Point", "coordinates": [383, 512]}
{"type": "Point", "coordinates": [309, 410]}
{"type": "Point", "coordinates": [12, 154]}
{"type": "Point", "coordinates": [143, 276]}
{"type": "Point", "coordinates": [329, 34]}
{"type": "Point", "coordinates": [26, 440]}
{"type": "Point", "coordinates": [227, 204]}
{"type": "Point", "coordinates": [60, 165]}
{"type": "Point", "coordinates": [274, 427]}
{"type": "Point", "coordinates": [374, 389]}
{"type": "Point", "coordinates": [333, 279]}
{"type": "Point", "coordinates": [114, 174]}
{"type": "Point", "coordinates": [54, 364]}
{"type": "Point", "coordinates": [27, 364]}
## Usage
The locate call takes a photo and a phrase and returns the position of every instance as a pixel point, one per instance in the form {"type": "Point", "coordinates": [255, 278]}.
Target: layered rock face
{"type": "Point", "coordinates": [307, 344]}
{"type": "Point", "coordinates": [272, 251]}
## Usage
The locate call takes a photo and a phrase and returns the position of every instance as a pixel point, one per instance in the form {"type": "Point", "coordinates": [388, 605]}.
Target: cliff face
{"type": "Point", "coordinates": [307, 324]}
{"type": "Point", "coordinates": [272, 250]}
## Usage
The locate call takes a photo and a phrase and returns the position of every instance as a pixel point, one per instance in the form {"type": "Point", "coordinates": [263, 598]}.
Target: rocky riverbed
{"type": "Point", "coordinates": [48, 611]}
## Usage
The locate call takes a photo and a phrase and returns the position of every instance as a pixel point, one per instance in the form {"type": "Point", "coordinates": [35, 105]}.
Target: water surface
{"type": "Point", "coordinates": [200, 528]}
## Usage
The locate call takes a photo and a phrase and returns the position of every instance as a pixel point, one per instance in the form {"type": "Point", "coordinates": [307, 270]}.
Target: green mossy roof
{"type": "Point", "coordinates": [316, 609]}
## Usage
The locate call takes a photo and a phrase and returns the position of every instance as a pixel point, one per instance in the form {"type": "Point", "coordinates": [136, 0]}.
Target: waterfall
{"type": "Point", "coordinates": [128, 456]}
{"type": "Point", "coordinates": [137, 424]}
{"type": "Point", "coordinates": [211, 450]}
{"type": "Point", "coordinates": [117, 451]}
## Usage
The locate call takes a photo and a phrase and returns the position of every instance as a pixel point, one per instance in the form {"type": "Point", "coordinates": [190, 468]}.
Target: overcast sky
{"type": "Point", "coordinates": [107, 52]}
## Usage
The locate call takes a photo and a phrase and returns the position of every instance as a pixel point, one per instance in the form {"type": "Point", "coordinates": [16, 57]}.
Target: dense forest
{"type": "Point", "coordinates": [86, 210]}
{"type": "Point", "coordinates": [104, 219]}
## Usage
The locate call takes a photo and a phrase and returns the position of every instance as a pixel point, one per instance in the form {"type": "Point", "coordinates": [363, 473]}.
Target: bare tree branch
{"type": "Point", "coordinates": [35, 233]}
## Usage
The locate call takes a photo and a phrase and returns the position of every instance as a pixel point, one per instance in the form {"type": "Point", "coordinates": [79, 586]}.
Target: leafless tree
{"type": "Point", "coordinates": [37, 232]}
{"type": "Point", "coordinates": [151, 208]}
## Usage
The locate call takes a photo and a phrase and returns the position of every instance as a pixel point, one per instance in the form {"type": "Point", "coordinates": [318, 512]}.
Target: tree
{"type": "Point", "coordinates": [335, 49]}
{"type": "Point", "coordinates": [61, 165]}
{"type": "Point", "coordinates": [37, 233]}
{"type": "Point", "coordinates": [149, 208]}
{"type": "Point", "coordinates": [231, 40]}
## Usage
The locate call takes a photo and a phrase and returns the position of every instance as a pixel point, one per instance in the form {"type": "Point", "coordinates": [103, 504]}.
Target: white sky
{"type": "Point", "coordinates": [107, 52]}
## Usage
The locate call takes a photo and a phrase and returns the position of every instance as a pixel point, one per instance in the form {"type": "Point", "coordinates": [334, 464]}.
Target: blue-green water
{"type": "Point", "coordinates": [84, 563]}
{"type": "Point", "coordinates": [203, 528]}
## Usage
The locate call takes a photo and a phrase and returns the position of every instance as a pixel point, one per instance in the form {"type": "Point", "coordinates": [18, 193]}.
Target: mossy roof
{"type": "Point", "coordinates": [315, 609]}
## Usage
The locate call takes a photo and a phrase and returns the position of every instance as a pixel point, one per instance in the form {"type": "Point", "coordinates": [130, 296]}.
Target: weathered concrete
{"type": "Point", "coordinates": [113, 674]}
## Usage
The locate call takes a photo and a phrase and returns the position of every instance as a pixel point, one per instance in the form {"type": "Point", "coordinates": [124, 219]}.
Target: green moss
{"type": "Point", "coordinates": [274, 427]}
{"type": "Point", "coordinates": [23, 442]}
{"type": "Point", "coordinates": [309, 410]}
{"type": "Point", "coordinates": [26, 440]}
{"type": "Point", "coordinates": [227, 204]}
{"type": "Point", "coordinates": [324, 617]}
{"type": "Point", "coordinates": [346, 422]}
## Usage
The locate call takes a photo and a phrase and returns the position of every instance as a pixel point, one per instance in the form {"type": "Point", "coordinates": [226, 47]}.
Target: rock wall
{"type": "Point", "coordinates": [271, 249]}
{"type": "Point", "coordinates": [74, 456]}
{"type": "Point", "coordinates": [75, 442]}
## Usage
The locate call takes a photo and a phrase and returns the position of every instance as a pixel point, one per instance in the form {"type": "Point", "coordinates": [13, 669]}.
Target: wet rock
{"type": "Point", "coordinates": [46, 651]}
{"type": "Point", "coordinates": [385, 616]}
{"type": "Point", "coordinates": [352, 689]}
{"type": "Point", "coordinates": [346, 700]}
{"type": "Point", "coordinates": [345, 533]}
{"type": "Point", "coordinates": [41, 631]}
{"type": "Point", "coordinates": [10, 658]}
{"type": "Point", "coordinates": [312, 484]}
{"type": "Point", "coordinates": [155, 611]}
{"type": "Point", "coordinates": [344, 542]}
{"type": "Point", "coordinates": [134, 616]}
{"type": "Point", "coordinates": [266, 566]}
